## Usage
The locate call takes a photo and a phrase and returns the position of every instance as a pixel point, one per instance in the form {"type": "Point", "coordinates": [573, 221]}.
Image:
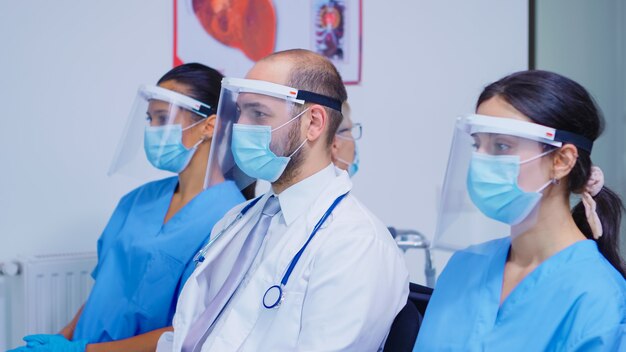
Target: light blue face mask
{"type": "Point", "coordinates": [251, 151]}
{"type": "Point", "coordinates": [492, 186]}
{"type": "Point", "coordinates": [164, 147]}
{"type": "Point", "coordinates": [353, 167]}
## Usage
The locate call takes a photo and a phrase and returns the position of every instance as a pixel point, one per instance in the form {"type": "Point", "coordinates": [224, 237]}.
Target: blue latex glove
{"type": "Point", "coordinates": [50, 343]}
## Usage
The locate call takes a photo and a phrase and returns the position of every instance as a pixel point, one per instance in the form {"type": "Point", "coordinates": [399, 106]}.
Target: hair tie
{"type": "Point", "coordinates": [592, 216]}
{"type": "Point", "coordinates": [596, 181]}
{"type": "Point", "coordinates": [592, 188]}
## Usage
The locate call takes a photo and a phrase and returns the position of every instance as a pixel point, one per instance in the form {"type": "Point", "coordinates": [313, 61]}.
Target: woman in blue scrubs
{"type": "Point", "coordinates": [556, 283]}
{"type": "Point", "coordinates": [145, 253]}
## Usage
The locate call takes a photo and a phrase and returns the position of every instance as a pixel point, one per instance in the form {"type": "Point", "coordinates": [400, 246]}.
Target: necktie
{"type": "Point", "coordinates": [199, 331]}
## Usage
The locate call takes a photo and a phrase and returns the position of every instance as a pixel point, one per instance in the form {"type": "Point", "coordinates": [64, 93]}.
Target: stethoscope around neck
{"type": "Point", "coordinates": [274, 295]}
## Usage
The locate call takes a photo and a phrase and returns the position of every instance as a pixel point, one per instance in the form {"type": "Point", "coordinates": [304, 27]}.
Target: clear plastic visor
{"type": "Point", "coordinates": [158, 119]}
{"type": "Point", "coordinates": [493, 184]}
{"type": "Point", "coordinates": [251, 106]}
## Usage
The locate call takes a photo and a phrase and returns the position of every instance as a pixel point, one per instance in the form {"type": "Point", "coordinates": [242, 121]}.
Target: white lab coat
{"type": "Point", "coordinates": [343, 294]}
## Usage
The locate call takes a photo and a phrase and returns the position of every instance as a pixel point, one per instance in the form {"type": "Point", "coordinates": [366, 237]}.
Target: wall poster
{"type": "Point", "coordinates": [230, 35]}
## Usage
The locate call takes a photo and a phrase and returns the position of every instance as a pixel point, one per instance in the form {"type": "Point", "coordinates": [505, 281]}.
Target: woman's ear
{"type": "Point", "coordinates": [208, 127]}
{"type": "Point", "coordinates": [318, 122]}
{"type": "Point", "coordinates": [564, 160]}
{"type": "Point", "coordinates": [334, 148]}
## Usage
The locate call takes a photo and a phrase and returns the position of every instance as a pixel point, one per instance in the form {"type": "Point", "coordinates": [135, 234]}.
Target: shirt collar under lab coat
{"type": "Point", "coordinates": [299, 197]}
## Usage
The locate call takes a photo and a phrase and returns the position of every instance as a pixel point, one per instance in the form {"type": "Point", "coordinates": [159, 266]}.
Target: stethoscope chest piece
{"type": "Point", "coordinates": [273, 297]}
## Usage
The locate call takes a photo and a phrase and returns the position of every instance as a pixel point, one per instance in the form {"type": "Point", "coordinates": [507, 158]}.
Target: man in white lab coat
{"type": "Point", "coordinates": [305, 267]}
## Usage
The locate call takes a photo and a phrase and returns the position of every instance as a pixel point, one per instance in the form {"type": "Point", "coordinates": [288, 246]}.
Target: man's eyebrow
{"type": "Point", "coordinates": [253, 105]}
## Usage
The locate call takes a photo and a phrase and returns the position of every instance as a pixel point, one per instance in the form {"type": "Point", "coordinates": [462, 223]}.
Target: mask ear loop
{"type": "Point", "coordinates": [552, 181]}
{"type": "Point", "coordinates": [288, 122]}
{"type": "Point", "coordinates": [537, 157]}
{"type": "Point", "coordinates": [195, 124]}
{"type": "Point", "coordinates": [343, 161]}
{"type": "Point", "coordinates": [300, 147]}
{"type": "Point", "coordinates": [345, 138]}
{"type": "Point", "coordinates": [190, 126]}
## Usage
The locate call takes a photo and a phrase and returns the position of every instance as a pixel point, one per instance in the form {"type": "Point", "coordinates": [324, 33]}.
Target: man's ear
{"type": "Point", "coordinates": [564, 160]}
{"type": "Point", "coordinates": [317, 122]}
{"type": "Point", "coordinates": [208, 127]}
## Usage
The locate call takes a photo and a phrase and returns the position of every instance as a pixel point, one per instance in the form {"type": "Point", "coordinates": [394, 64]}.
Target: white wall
{"type": "Point", "coordinates": [68, 74]}
{"type": "Point", "coordinates": [69, 71]}
{"type": "Point", "coordinates": [586, 41]}
{"type": "Point", "coordinates": [425, 63]}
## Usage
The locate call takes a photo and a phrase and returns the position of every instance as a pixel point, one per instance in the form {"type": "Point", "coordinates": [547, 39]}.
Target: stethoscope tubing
{"type": "Point", "coordinates": [199, 257]}
{"type": "Point", "coordinates": [278, 288]}
{"type": "Point", "coordinates": [294, 261]}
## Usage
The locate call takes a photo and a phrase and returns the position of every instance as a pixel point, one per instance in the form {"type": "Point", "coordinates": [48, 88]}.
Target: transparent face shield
{"type": "Point", "coordinates": [348, 154]}
{"type": "Point", "coordinates": [257, 134]}
{"type": "Point", "coordinates": [162, 134]}
{"type": "Point", "coordinates": [497, 171]}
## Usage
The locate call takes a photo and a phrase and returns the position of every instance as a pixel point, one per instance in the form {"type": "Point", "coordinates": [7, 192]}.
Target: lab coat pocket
{"type": "Point", "coordinates": [292, 310]}
{"type": "Point", "coordinates": [155, 297]}
{"type": "Point", "coordinates": [285, 322]}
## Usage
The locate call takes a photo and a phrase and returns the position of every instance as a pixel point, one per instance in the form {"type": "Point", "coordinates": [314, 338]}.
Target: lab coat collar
{"type": "Point", "coordinates": [299, 197]}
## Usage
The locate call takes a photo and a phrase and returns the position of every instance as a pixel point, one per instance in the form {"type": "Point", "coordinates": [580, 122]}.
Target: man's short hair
{"type": "Point", "coordinates": [315, 73]}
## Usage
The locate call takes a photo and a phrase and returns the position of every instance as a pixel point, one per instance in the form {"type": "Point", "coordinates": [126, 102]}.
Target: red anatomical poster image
{"type": "Point", "coordinates": [231, 35]}
{"type": "Point", "coordinates": [329, 28]}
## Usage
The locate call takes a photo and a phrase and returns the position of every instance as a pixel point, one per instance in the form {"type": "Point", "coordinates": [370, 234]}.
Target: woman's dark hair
{"type": "Point", "coordinates": [555, 101]}
{"type": "Point", "coordinates": [204, 82]}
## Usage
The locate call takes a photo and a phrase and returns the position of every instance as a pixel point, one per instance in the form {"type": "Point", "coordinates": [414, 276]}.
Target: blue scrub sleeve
{"type": "Point", "coordinates": [611, 339]}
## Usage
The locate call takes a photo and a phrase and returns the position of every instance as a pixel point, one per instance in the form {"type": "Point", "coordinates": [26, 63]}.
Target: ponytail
{"type": "Point", "coordinates": [609, 208]}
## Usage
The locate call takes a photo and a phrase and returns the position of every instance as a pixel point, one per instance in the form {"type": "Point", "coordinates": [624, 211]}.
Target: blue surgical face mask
{"type": "Point", "coordinates": [492, 186]}
{"type": "Point", "coordinates": [251, 151]}
{"type": "Point", "coordinates": [353, 167]}
{"type": "Point", "coordinates": [164, 147]}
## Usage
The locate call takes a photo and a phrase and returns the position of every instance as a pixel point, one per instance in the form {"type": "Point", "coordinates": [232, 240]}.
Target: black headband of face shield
{"type": "Point", "coordinates": [311, 97]}
{"type": "Point", "coordinates": [204, 110]}
{"type": "Point", "coordinates": [575, 139]}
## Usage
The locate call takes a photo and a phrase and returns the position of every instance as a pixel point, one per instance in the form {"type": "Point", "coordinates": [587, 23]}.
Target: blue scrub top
{"type": "Point", "coordinates": [143, 263]}
{"type": "Point", "coordinates": [573, 301]}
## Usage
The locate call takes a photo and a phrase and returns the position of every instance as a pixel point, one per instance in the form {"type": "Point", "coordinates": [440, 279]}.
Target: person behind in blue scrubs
{"type": "Point", "coordinates": [344, 151]}
{"type": "Point", "coordinates": [145, 252]}
{"type": "Point", "coordinates": [556, 283]}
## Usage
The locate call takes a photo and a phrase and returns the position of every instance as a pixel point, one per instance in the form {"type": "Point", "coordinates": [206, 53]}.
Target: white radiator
{"type": "Point", "coordinates": [46, 293]}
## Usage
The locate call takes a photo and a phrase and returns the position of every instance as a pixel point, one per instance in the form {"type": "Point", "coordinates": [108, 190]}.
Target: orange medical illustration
{"type": "Point", "coordinates": [248, 25]}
